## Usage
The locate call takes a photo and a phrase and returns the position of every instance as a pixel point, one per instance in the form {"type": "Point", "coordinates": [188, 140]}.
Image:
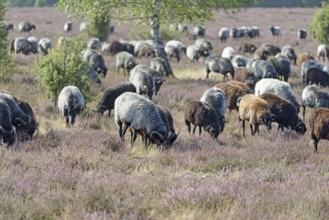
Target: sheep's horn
{"type": "Point", "coordinates": [19, 120]}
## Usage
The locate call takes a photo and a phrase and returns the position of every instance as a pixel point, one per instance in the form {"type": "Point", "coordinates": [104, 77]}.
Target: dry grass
{"type": "Point", "coordinates": [86, 172]}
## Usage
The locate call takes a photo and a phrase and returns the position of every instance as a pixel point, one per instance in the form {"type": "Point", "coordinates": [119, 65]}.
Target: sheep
{"type": "Point", "coordinates": [172, 52]}
{"type": "Point", "coordinates": [182, 27]}
{"type": "Point", "coordinates": [285, 113]}
{"type": "Point", "coordinates": [302, 34]}
{"type": "Point", "coordinates": [94, 43]}
{"type": "Point", "coordinates": [219, 65]}
{"type": "Point", "coordinates": [159, 65]}
{"type": "Point", "coordinates": [83, 26]}
{"type": "Point", "coordinates": [277, 87]}
{"type": "Point", "coordinates": [204, 46]}
{"type": "Point", "coordinates": [302, 57]}
{"type": "Point", "coordinates": [193, 53]}
{"type": "Point", "coordinates": [317, 76]}
{"type": "Point", "coordinates": [289, 52]}
{"type": "Point", "coordinates": [261, 54]}
{"type": "Point", "coordinates": [177, 44]}
{"type": "Point", "coordinates": [271, 49]}
{"type": "Point", "coordinates": [110, 94]}
{"type": "Point", "coordinates": [21, 45]}
{"type": "Point", "coordinates": [126, 61]}
{"type": "Point", "coordinates": [34, 44]}
{"type": "Point", "coordinates": [146, 50]}
{"type": "Point", "coordinates": [254, 32]}
{"type": "Point", "coordinates": [319, 125]}
{"type": "Point", "coordinates": [19, 119]}
{"type": "Point", "coordinates": [235, 33]}
{"type": "Point", "coordinates": [26, 108]}
{"type": "Point", "coordinates": [91, 75]}
{"type": "Point", "coordinates": [255, 110]}
{"type": "Point", "coordinates": [242, 85]}
{"type": "Point", "coordinates": [238, 61]}
{"type": "Point", "coordinates": [216, 98]}
{"type": "Point", "coordinates": [308, 64]}
{"type": "Point", "coordinates": [70, 103]}
{"type": "Point", "coordinates": [233, 93]}
{"type": "Point", "coordinates": [323, 51]}
{"type": "Point", "coordinates": [116, 47]}
{"type": "Point", "coordinates": [68, 26]}
{"type": "Point", "coordinates": [44, 45]}
{"type": "Point", "coordinates": [6, 129]}
{"type": "Point", "coordinates": [201, 115]}
{"type": "Point", "coordinates": [228, 52]}
{"type": "Point", "coordinates": [263, 69]}
{"type": "Point", "coordinates": [135, 111]}
{"type": "Point", "coordinates": [275, 31]}
{"type": "Point", "coordinates": [246, 47]}
{"type": "Point", "coordinates": [26, 27]}
{"type": "Point", "coordinates": [96, 61]}
{"type": "Point", "coordinates": [199, 31]}
{"type": "Point", "coordinates": [142, 80]}
{"type": "Point", "coordinates": [314, 97]}
{"type": "Point", "coordinates": [223, 34]}
{"type": "Point", "coordinates": [282, 67]}
{"type": "Point", "coordinates": [9, 26]}
{"type": "Point", "coordinates": [245, 75]}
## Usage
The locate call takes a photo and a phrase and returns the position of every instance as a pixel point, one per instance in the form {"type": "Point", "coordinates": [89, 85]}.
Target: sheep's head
{"type": "Point", "coordinates": [300, 127]}
{"type": "Point", "coordinates": [266, 119]}
{"type": "Point", "coordinates": [213, 130]}
{"type": "Point", "coordinates": [157, 138]}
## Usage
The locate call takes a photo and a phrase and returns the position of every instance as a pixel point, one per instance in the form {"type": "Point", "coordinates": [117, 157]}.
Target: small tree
{"type": "Point", "coordinates": [61, 67]}
{"type": "Point", "coordinates": [100, 28]}
{"type": "Point", "coordinates": [6, 63]}
{"type": "Point", "coordinates": [319, 27]}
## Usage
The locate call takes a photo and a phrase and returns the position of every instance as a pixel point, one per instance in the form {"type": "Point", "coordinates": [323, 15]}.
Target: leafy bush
{"type": "Point", "coordinates": [319, 27]}
{"type": "Point", "coordinates": [60, 69]}
{"type": "Point", "coordinates": [100, 28]}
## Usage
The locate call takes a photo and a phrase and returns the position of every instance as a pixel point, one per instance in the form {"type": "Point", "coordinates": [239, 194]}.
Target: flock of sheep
{"type": "Point", "coordinates": [258, 89]}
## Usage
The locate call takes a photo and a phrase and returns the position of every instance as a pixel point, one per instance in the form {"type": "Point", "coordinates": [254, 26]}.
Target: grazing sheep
{"type": "Point", "coordinates": [285, 113]}
{"type": "Point", "coordinates": [159, 65]}
{"type": "Point", "coordinates": [277, 87]}
{"type": "Point", "coordinates": [245, 75]}
{"type": "Point", "coordinates": [275, 31]}
{"type": "Point", "coordinates": [302, 57]}
{"type": "Point", "coordinates": [323, 51]}
{"type": "Point", "coordinates": [200, 114]}
{"type": "Point", "coordinates": [199, 31]}
{"type": "Point", "coordinates": [126, 61]}
{"type": "Point", "coordinates": [142, 80]}
{"type": "Point", "coordinates": [261, 54]}
{"type": "Point", "coordinates": [317, 76]}
{"type": "Point", "coordinates": [68, 26]}
{"type": "Point", "coordinates": [193, 53]}
{"type": "Point", "coordinates": [255, 110]}
{"type": "Point", "coordinates": [116, 47]}
{"type": "Point", "coordinates": [228, 52]}
{"type": "Point", "coordinates": [22, 45]}
{"type": "Point", "coordinates": [233, 93]}
{"type": "Point", "coordinates": [26, 108]}
{"type": "Point", "coordinates": [34, 44]}
{"type": "Point", "coordinates": [83, 26]}
{"type": "Point", "coordinates": [135, 111]}
{"type": "Point", "coordinates": [94, 43]}
{"type": "Point", "coordinates": [254, 32]}
{"type": "Point", "coordinates": [91, 75]}
{"type": "Point", "coordinates": [302, 34]}
{"type": "Point", "coordinates": [111, 93]}
{"type": "Point", "coordinates": [219, 65]}
{"type": "Point", "coordinates": [246, 47]}
{"type": "Point", "coordinates": [271, 49]}
{"type": "Point", "coordinates": [314, 97]}
{"type": "Point", "coordinates": [26, 27]}
{"type": "Point", "coordinates": [44, 45]}
{"type": "Point", "coordinates": [216, 98]}
{"type": "Point", "coordinates": [146, 50]}
{"type": "Point", "coordinates": [319, 125]}
{"type": "Point", "coordinates": [282, 67]}
{"type": "Point", "coordinates": [235, 33]}
{"type": "Point", "coordinates": [70, 102]}
{"type": "Point", "coordinates": [182, 27]}
{"type": "Point", "coordinates": [223, 34]}
{"type": "Point", "coordinates": [96, 61]}
{"type": "Point", "coordinates": [177, 44]}
{"type": "Point", "coordinates": [6, 129]}
{"type": "Point", "coordinates": [240, 84]}
{"type": "Point", "coordinates": [289, 52]}
{"type": "Point", "coordinates": [172, 52]}
{"type": "Point", "coordinates": [238, 61]}
{"type": "Point", "coordinates": [263, 69]}
{"type": "Point", "coordinates": [204, 45]}
{"type": "Point", "coordinates": [309, 64]}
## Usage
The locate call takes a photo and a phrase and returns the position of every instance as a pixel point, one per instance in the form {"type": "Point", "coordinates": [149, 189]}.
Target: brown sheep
{"type": "Point", "coordinates": [255, 110]}
{"type": "Point", "coordinates": [302, 57]}
{"type": "Point", "coordinates": [200, 114]}
{"type": "Point", "coordinates": [261, 54]}
{"type": "Point", "coordinates": [247, 47]}
{"type": "Point", "coordinates": [317, 76]}
{"type": "Point", "coordinates": [146, 51]}
{"type": "Point", "coordinates": [239, 84]}
{"type": "Point", "coordinates": [319, 125]}
{"type": "Point", "coordinates": [285, 113]}
{"type": "Point", "coordinates": [232, 93]}
{"type": "Point", "coordinates": [245, 75]}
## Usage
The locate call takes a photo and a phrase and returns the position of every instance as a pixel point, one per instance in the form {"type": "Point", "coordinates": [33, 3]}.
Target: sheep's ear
{"type": "Point", "coordinates": [20, 121]}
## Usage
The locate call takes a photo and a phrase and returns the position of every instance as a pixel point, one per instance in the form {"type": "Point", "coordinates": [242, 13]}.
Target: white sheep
{"type": "Point", "coordinates": [314, 97]}
{"type": "Point", "coordinates": [228, 53]}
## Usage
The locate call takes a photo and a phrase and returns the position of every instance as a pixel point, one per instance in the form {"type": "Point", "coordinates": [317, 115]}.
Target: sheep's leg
{"type": "Point", "coordinates": [304, 108]}
{"type": "Point", "coordinates": [120, 130]}
{"type": "Point", "coordinates": [125, 127]}
{"type": "Point", "coordinates": [145, 142]}
{"type": "Point", "coordinates": [133, 136]}
{"type": "Point", "coordinates": [252, 130]}
{"type": "Point", "coordinates": [207, 77]}
{"type": "Point", "coordinates": [194, 129]}
{"type": "Point", "coordinates": [256, 128]}
{"type": "Point", "coordinates": [315, 144]}
{"type": "Point", "coordinates": [200, 130]}
{"type": "Point", "coordinates": [188, 126]}
{"type": "Point", "coordinates": [109, 112]}
{"type": "Point", "coordinates": [243, 126]}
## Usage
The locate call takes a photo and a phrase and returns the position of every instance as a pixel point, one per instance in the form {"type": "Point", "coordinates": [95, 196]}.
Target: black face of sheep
{"type": "Point", "coordinates": [101, 109]}
{"type": "Point", "coordinates": [266, 120]}
{"type": "Point", "coordinates": [300, 128]}
{"type": "Point", "coordinates": [157, 138]}
{"type": "Point", "coordinates": [213, 131]}
{"type": "Point", "coordinates": [71, 113]}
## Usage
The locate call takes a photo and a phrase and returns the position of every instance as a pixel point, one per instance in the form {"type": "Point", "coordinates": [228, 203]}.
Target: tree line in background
{"type": "Point", "coordinates": [262, 3]}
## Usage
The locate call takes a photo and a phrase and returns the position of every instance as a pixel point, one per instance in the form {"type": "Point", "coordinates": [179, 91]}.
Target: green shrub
{"type": "Point", "coordinates": [319, 27]}
{"type": "Point", "coordinates": [100, 28]}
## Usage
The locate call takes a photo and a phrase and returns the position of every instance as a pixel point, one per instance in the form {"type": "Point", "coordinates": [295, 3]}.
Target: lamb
{"type": "Point", "coordinates": [255, 110]}
{"type": "Point", "coordinates": [219, 65]}
{"type": "Point", "coordinates": [285, 113]}
{"type": "Point", "coordinates": [319, 125]}
{"type": "Point", "coordinates": [201, 115]}
{"type": "Point", "coordinates": [216, 98]}
{"type": "Point", "coordinates": [245, 75]}
{"type": "Point", "coordinates": [289, 52]}
{"type": "Point", "coordinates": [261, 54]}
{"type": "Point", "coordinates": [282, 67]}
{"type": "Point", "coordinates": [233, 93]}
{"type": "Point", "coordinates": [228, 52]}
{"type": "Point", "coordinates": [126, 61]}
{"type": "Point", "coordinates": [263, 69]}
{"type": "Point", "coordinates": [110, 94]}
{"type": "Point", "coordinates": [142, 80]}
{"type": "Point", "coordinates": [275, 31]}
{"type": "Point", "coordinates": [135, 111]}
{"type": "Point", "coordinates": [323, 51]}
{"type": "Point", "coordinates": [317, 76]}
{"type": "Point", "coordinates": [302, 57]}
{"type": "Point", "coordinates": [277, 87]}
{"type": "Point", "coordinates": [26, 27]}
{"type": "Point", "coordinates": [68, 26]}
{"type": "Point", "coordinates": [309, 64]}
{"type": "Point", "coordinates": [70, 103]}
{"type": "Point", "coordinates": [302, 34]}
{"type": "Point", "coordinates": [246, 47]}
{"type": "Point", "coordinates": [314, 97]}
{"type": "Point", "coordinates": [44, 45]}
{"type": "Point", "coordinates": [223, 34]}
{"type": "Point", "coordinates": [6, 129]}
